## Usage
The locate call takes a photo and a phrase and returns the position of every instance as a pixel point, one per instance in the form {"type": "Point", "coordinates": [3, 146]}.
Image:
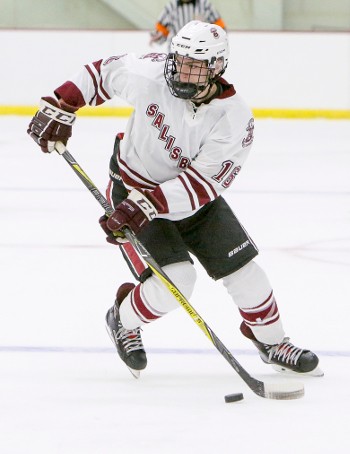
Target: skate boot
{"type": "Point", "coordinates": [128, 342]}
{"type": "Point", "coordinates": [285, 357]}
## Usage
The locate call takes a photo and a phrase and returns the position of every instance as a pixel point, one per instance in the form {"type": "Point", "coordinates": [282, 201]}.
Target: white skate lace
{"type": "Point", "coordinates": [285, 352]}
{"type": "Point", "coordinates": [130, 338]}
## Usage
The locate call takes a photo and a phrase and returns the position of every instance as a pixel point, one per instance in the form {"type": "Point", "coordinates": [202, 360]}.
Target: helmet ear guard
{"type": "Point", "coordinates": [199, 41]}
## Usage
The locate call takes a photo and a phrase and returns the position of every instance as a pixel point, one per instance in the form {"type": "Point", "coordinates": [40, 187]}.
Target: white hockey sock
{"type": "Point", "coordinates": [251, 291]}
{"type": "Point", "coordinates": [151, 300]}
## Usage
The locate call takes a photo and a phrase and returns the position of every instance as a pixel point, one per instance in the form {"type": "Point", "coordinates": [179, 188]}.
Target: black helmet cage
{"type": "Point", "coordinates": [189, 90]}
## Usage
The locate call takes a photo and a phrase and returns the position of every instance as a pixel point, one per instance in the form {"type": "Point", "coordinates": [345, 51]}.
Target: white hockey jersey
{"type": "Point", "coordinates": [186, 155]}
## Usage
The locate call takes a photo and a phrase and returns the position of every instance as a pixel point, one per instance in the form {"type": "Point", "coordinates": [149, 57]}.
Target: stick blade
{"type": "Point", "coordinates": [284, 391]}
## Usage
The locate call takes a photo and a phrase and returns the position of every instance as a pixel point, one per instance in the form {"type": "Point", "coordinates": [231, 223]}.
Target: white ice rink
{"type": "Point", "coordinates": [64, 390]}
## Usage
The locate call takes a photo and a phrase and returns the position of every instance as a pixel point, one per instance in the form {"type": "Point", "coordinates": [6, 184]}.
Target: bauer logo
{"type": "Point", "coordinates": [238, 248]}
{"type": "Point", "coordinates": [114, 175]}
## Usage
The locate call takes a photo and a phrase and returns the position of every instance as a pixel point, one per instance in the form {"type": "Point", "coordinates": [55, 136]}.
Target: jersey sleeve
{"type": "Point", "coordinates": [213, 171]}
{"type": "Point", "coordinates": [99, 81]}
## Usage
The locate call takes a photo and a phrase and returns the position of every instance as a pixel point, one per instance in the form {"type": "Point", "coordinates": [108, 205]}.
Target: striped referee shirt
{"type": "Point", "coordinates": [176, 14]}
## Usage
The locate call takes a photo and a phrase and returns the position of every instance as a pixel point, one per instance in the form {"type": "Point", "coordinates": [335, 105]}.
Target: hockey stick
{"type": "Point", "coordinates": [280, 391]}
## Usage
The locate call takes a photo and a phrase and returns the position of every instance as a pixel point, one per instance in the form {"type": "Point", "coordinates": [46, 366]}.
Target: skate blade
{"type": "Point", "coordinates": [135, 373]}
{"type": "Point", "coordinates": [317, 372]}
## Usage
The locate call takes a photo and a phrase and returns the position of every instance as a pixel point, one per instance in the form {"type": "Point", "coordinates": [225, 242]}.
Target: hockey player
{"type": "Point", "coordinates": [184, 145]}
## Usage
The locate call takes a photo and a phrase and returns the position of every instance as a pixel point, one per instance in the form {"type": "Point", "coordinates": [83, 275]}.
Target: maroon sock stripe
{"type": "Point", "coordinates": [262, 315]}
{"type": "Point", "coordinates": [139, 306]}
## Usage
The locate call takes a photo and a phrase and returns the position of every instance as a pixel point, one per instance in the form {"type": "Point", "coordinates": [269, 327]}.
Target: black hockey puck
{"type": "Point", "coordinates": [233, 397]}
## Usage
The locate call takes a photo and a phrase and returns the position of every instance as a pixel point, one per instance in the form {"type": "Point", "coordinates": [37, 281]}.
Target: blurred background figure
{"type": "Point", "coordinates": [177, 13]}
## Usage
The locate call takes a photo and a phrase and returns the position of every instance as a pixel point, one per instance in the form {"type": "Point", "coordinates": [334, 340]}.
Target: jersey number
{"type": "Point", "coordinates": [226, 174]}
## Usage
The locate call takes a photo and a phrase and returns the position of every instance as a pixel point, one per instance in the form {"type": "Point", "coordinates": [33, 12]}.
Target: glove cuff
{"type": "Point", "coordinates": [57, 114]}
{"type": "Point", "coordinates": [144, 203]}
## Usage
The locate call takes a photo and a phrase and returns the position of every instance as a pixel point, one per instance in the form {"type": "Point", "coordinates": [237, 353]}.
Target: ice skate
{"type": "Point", "coordinates": [128, 342]}
{"type": "Point", "coordinates": [285, 357]}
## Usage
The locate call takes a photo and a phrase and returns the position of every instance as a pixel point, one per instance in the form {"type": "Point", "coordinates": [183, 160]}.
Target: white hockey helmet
{"type": "Point", "coordinates": [201, 41]}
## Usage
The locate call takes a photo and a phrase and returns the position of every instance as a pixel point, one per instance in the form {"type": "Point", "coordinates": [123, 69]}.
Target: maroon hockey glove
{"type": "Point", "coordinates": [135, 212]}
{"type": "Point", "coordinates": [51, 124]}
{"type": "Point", "coordinates": [117, 237]}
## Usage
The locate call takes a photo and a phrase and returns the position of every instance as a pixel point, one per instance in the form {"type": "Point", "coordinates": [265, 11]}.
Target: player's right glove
{"type": "Point", "coordinates": [117, 238]}
{"type": "Point", "coordinates": [51, 124]}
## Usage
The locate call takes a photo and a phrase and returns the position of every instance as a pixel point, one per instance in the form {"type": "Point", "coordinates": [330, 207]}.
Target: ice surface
{"type": "Point", "coordinates": [62, 387]}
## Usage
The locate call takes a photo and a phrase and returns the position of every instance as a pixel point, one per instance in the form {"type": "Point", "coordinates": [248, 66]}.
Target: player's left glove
{"type": "Point", "coordinates": [51, 124]}
{"type": "Point", "coordinates": [135, 212]}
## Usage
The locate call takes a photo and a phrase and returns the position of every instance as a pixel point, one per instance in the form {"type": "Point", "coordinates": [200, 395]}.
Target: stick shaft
{"type": "Point", "coordinates": [87, 182]}
{"type": "Point", "coordinates": [255, 385]}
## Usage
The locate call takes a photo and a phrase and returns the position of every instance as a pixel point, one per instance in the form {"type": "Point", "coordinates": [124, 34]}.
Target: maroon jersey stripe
{"type": "Point", "coordinates": [190, 196]}
{"type": "Point", "coordinates": [200, 190]}
{"type": "Point", "coordinates": [202, 178]}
